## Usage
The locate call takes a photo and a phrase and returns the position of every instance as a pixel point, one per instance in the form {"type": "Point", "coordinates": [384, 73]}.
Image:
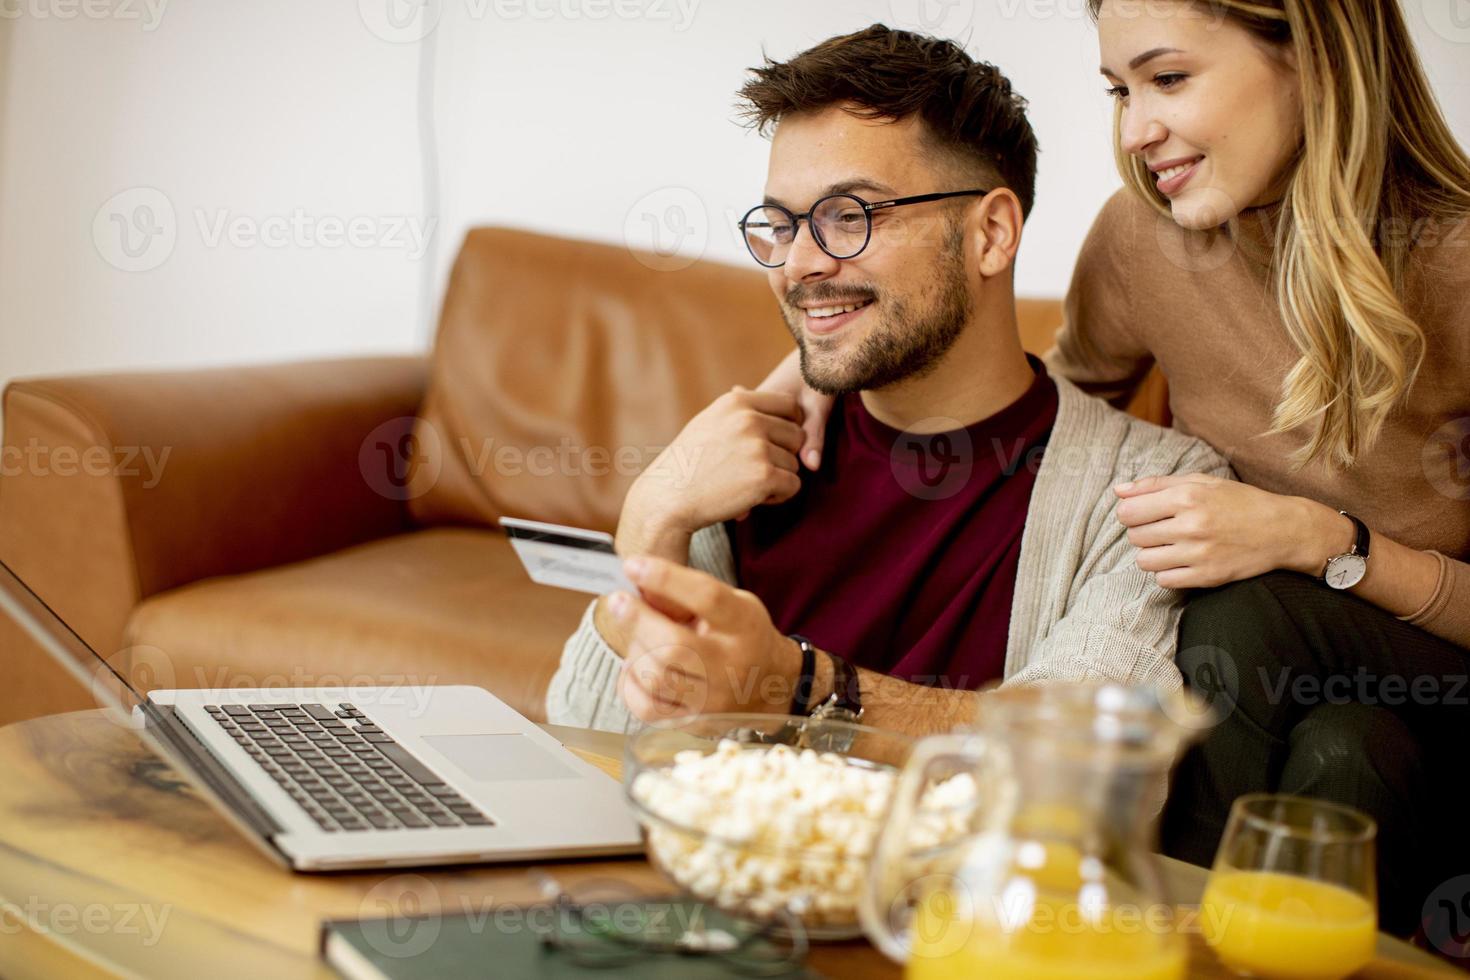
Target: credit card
{"type": "Point", "coordinates": [567, 557]}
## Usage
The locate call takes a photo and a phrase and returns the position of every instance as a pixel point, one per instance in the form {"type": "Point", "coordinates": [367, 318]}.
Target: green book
{"type": "Point", "coordinates": [508, 942]}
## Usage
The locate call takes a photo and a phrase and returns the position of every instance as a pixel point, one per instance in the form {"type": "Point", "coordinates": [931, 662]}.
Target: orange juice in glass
{"type": "Point", "coordinates": [1292, 893]}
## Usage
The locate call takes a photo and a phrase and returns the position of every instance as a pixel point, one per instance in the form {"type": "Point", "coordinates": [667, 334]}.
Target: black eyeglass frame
{"type": "Point", "coordinates": [867, 207]}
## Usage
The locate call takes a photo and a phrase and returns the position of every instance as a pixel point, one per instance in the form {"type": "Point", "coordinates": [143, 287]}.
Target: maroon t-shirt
{"type": "Point", "coordinates": [900, 554]}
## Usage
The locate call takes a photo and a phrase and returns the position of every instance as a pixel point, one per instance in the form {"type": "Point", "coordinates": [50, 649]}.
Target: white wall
{"type": "Point", "coordinates": [243, 112]}
{"type": "Point", "coordinates": [549, 116]}
{"type": "Point", "coordinates": [636, 127]}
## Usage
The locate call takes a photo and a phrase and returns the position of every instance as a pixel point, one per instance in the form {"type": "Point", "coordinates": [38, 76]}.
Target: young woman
{"type": "Point", "coordinates": [1292, 249]}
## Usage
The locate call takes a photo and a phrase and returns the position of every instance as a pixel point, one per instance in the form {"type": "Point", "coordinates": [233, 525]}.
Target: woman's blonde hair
{"type": "Point", "coordinates": [1377, 162]}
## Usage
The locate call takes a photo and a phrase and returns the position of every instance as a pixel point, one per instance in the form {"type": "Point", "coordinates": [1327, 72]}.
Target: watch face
{"type": "Point", "coordinates": [1346, 571]}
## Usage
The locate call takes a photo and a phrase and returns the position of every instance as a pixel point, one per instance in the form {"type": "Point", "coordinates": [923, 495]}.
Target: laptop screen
{"type": "Point", "coordinates": [107, 681]}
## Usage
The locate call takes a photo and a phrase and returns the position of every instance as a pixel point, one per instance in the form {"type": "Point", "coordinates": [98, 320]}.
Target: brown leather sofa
{"type": "Point", "coordinates": [332, 522]}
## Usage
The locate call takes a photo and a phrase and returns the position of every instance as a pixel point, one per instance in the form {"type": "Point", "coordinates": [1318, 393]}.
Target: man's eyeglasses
{"type": "Point", "coordinates": [841, 225]}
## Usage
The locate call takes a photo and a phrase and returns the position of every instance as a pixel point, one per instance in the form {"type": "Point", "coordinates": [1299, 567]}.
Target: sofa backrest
{"type": "Point", "coordinates": [561, 367]}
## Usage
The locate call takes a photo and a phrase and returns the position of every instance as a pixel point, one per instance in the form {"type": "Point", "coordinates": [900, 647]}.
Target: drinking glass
{"type": "Point", "coordinates": [1293, 894]}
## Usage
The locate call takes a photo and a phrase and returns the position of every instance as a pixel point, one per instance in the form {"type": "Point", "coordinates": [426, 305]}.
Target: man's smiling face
{"type": "Point", "coordinates": [894, 310]}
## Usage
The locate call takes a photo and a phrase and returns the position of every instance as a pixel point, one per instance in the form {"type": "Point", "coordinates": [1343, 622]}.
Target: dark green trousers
{"type": "Point", "coordinates": [1322, 694]}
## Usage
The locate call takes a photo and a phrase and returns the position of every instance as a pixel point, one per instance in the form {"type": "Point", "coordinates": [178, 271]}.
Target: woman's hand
{"type": "Point", "coordinates": [1196, 531]}
{"type": "Point", "coordinates": [816, 407]}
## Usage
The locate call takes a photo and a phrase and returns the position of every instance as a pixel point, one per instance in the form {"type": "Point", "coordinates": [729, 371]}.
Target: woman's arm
{"type": "Point", "coordinates": [816, 407]}
{"type": "Point", "coordinates": [1096, 347]}
{"type": "Point", "coordinates": [1199, 532]}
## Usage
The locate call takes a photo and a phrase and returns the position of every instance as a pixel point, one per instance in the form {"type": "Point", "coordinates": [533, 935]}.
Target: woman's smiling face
{"type": "Point", "coordinates": [1211, 109]}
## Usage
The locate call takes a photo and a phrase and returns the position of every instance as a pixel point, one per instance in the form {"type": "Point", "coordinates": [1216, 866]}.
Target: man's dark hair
{"type": "Point", "coordinates": [967, 105]}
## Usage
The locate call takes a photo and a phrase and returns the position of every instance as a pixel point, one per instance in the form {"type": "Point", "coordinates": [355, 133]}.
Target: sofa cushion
{"type": "Point", "coordinates": [439, 606]}
{"type": "Point", "coordinates": [561, 367]}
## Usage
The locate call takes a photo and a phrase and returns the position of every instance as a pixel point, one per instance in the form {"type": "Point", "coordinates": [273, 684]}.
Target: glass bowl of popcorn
{"type": "Point", "coordinates": [774, 817]}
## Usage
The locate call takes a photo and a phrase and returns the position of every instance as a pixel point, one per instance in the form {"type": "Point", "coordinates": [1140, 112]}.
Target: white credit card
{"type": "Point", "coordinates": [568, 557]}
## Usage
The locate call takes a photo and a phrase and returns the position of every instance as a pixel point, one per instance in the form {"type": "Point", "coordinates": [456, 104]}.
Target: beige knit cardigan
{"type": "Point", "coordinates": [1082, 609]}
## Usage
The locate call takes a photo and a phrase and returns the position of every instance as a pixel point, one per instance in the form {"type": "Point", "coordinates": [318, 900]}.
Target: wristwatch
{"type": "Point", "coordinates": [845, 703]}
{"type": "Point", "coordinates": [1347, 570]}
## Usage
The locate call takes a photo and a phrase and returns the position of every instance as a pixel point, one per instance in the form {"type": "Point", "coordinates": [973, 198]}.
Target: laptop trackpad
{"type": "Point", "coordinates": [493, 758]}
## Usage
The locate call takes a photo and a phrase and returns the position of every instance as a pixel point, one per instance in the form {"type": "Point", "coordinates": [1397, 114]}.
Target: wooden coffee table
{"type": "Point", "coordinates": [110, 865]}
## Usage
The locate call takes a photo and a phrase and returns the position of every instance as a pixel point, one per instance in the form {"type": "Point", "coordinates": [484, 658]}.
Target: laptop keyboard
{"type": "Point", "coordinates": [343, 770]}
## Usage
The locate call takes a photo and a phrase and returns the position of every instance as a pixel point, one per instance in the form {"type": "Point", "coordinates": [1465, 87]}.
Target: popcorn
{"type": "Point", "coordinates": [788, 830]}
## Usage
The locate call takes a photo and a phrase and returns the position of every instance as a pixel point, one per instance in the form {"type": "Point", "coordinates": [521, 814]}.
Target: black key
{"type": "Point", "coordinates": [214, 710]}
{"type": "Point", "coordinates": [381, 763]}
{"type": "Point", "coordinates": [477, 820]}
{"type": "Point", "coordinates": [346, 712]}
{"type": "Point", "coordinates": [444, 820]}
{"type": "Point", "coordinates": [236, 710]}
{"type": "Point", "coordinates": [409, 764]}
{"type": "Point", "coordinates": [368, 728]}
{"type": "Point", "coordinates": [412, 820]}
{"type": "Point", "coordinates": [262, 709]}
{"type": "Point", "coordinates": [444, 793]}
{"type": "Point", "coordinates": [353, 823]}
{"type": "Point", "coordinates": [320, 711]}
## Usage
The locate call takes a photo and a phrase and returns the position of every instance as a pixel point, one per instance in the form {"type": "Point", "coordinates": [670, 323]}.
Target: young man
{"type": "Point", "coordinates": [959, 531]}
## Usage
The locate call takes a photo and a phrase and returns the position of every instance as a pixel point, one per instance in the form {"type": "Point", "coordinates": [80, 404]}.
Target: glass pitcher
{"type": "Point", "coordinates": [1045, 867]}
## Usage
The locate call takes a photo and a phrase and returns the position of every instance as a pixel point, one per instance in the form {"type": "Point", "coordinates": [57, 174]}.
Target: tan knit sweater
{"type": "Point", "coordinates": [1201, 305]}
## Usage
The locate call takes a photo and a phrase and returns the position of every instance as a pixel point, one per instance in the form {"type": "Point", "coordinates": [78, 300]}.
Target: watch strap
{"type": "Point", "coordinates": [1360, 547]}
{"type": "Point", "coordinates": [801, 697]}
{"type": "Point", "coordinates": [846, 693]}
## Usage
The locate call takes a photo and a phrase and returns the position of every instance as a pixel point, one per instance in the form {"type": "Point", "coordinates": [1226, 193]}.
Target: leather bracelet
{"type": "Point", "coordinates": [801, 697]}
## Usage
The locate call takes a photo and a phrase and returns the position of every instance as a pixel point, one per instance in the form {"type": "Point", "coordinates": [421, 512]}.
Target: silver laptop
{"type": "Point", "coordinates": [323, 779]}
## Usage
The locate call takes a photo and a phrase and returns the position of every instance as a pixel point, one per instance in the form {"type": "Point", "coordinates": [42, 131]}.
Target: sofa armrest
{"type": "Point", "coordinates": [115, 487]}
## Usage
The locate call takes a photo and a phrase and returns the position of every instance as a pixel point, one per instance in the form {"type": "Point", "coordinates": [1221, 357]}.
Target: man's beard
{"type": "Point", "coordinates": [904, 345]}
